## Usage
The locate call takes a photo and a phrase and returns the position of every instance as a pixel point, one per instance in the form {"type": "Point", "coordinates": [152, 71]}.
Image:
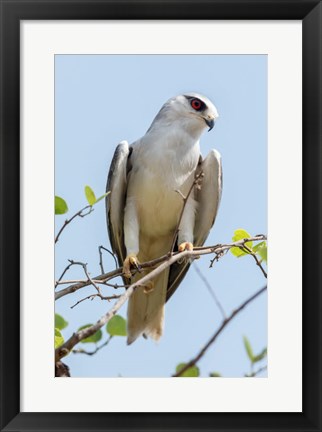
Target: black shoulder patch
{"type": "Point", "coordinates": [129, 162]}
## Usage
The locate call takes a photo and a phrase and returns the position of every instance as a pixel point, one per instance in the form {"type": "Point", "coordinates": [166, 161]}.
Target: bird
{"type": "Point", "coordinates": [146, 184]}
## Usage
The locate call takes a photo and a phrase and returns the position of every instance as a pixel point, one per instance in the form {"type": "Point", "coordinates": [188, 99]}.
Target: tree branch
{"type": "Point", "coordinates": [100, 248]}
{"type": "Point", "coordinates": [63, 350]}
{"type": "Point", "coordinates": [92, 296]}
{"type": "Point", "coordinates": [90, 353]}
{"type": "Point", "coordinates": [63, 273]}
{"type": "Point", "coordinates": [224, 323]}
{"type": "Point", "coordinates": [257, 372]}
{"type": "Point", "coordinates": [102, 282]}
{"type": "Point", "coordinates": [68, 221]}
{"type": "Point", "coordinates": [82, 334]}
{"type": "Point", "coordinates": [218, 250]}
{"type": "Point", "coordinates": [210, 289]}
{"type": "Point", "coordinates": [196, 183]}
{"type": "Point", "coordinates": [255, 258]}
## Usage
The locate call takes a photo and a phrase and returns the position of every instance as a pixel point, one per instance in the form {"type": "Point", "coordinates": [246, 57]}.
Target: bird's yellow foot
{"type": "Point", "coordinates": [185, 246]}
{"type": "Point", "coordinates": [130, 262]}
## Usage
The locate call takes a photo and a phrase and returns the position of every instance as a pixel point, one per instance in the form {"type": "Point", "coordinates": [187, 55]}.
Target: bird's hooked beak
{"type": "Point", "coordinates": [210, 122]}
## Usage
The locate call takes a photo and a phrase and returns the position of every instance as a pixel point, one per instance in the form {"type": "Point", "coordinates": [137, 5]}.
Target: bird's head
{"type": "Point", "coordinates": [196, 108]}
{"type": "Point", "coordinates": [191, 111]}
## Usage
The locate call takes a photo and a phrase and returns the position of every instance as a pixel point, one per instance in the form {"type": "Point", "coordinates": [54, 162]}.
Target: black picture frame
{"type": "Point", "coordinates": [12, 12]}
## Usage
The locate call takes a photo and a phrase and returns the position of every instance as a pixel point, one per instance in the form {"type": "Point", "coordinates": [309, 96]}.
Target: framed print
{"type": "Point", "coordinates": [77, 79]}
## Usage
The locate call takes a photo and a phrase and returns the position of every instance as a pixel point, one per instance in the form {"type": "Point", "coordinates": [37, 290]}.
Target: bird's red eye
{"type": "Point", "coordinates": [196, 104]}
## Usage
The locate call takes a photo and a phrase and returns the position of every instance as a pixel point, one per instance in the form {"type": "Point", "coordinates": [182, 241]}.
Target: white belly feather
{"type": "Point", "coordinates": [154, 183]}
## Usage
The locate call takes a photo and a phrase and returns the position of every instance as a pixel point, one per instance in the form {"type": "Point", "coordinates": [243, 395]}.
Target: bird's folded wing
{"type": "Point", "coordinates": [208, 198]}
{"type": "Point", "coordinates": [115, 201]}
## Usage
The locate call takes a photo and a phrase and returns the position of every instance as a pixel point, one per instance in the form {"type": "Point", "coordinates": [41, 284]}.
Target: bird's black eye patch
{"type": "Point", "coordinates": [196, 103]}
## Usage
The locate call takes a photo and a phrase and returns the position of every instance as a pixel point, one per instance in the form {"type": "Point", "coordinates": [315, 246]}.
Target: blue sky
{"type": "Point", "coordinates": [103, 99]}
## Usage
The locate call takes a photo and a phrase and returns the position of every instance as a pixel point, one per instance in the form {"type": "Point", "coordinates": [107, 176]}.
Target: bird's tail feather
{"type": "Point", "coordinates": [145, 311]}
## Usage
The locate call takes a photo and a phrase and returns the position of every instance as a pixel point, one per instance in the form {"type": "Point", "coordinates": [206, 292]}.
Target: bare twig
{"type": "Point", "coordinates": [102, 282]}
{"type": "Point", "coordinates": [257, 372]}
{"type": "Point", "coordinates": [250, 252]}
{"type": "Point", "coordinates": [218, 331]}
{"type": "Point", "coordinates": [210, 289]}
{"type": "Point", "coordinates": [100, 248]}
{"type": "Point", "coordinates": [92, 282]}
{"type": "Point", "coordinates": [197, 251]}
{"type": "Point", "coordinates": [90, 353]}
{"type": "Point", "coordinates": [77, 281]}
{"type": "Point", "coordinates": [92, 296]}
{"type": "Point", "coordinates": [218, 254]}
{"type": "Point", "coordinates": [63, 273]}
{"type": "Point", "coordinates": [86, 281]}
{"type": "Point", "coordinates": [195, 183]}
{"type": "Point", "coordinates": [81, 284]}
{"type": "Point", "coordinates": [80, 213]}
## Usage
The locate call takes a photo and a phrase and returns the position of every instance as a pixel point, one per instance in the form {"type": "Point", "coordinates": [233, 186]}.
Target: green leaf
{"type": "Point", "coordinates": [60, 323]}
{"type": "Point", "coordinates": [60, 206]}
{"type": "Point", "coordinates": [258, 246]}
{"type": "Point", "coordinates": [103, 196]}
{"type": "Point", "coordinates": [59, 340]}
{"type": "Point", "coordinates": [96, 337]}
{"type": "Point", "coordinates": [249, 349]}
{"type": "Point", "coordinates": [193, 371]}
{"type": "Point", "coordinates": [261, 250]}
{"type": "Point", "coordinates": [116, 326]}
{"type": "Point", "coordinates": [240, 234]}
{"type": "Point", "coordinates": [260, 356]}
{"type": "Point", "coordinates": [215, 374]}
{"type": "Point", "coordinates": [90, 196]}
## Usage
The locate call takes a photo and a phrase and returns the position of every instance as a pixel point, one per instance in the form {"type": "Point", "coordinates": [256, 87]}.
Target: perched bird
{"type": "Point", "coordinates": [144, 206]}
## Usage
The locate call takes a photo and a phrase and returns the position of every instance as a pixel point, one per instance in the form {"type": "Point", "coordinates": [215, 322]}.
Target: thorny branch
{"type": "Point", "coordinates": [218, 250]}
{"type": "Point", "coordinates": [164, 262]}
{"type": "Point", "coordinates": [222, 326]}
{"type": "Point", "coordinates": [80, 213]}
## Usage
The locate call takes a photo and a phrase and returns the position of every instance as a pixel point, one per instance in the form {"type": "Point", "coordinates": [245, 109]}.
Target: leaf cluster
{"type": "Point", "coordinates": [259, 249]}
{"type": "Point", "coordinates": [115, 327]}
{"type": "Point", "coordinates": [61, 206]}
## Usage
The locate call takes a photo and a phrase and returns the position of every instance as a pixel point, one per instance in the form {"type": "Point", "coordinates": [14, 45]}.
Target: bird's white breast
{"type": "Point", "coordinates": [165, 165]}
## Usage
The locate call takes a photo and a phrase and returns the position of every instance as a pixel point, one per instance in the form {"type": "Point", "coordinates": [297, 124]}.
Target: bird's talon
{"type": "Point", "coordinates": [130, 262]}
{"type": "Point", "coordinates": [185, 246]}
{"type": "Point", "coordinates": [135, 263]}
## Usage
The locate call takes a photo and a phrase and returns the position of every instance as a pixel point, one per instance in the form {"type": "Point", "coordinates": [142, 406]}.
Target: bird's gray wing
{"type": "Point", "coordinates": [208, 198]}
{"type": "Point", "coordinates": [115, 201]}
